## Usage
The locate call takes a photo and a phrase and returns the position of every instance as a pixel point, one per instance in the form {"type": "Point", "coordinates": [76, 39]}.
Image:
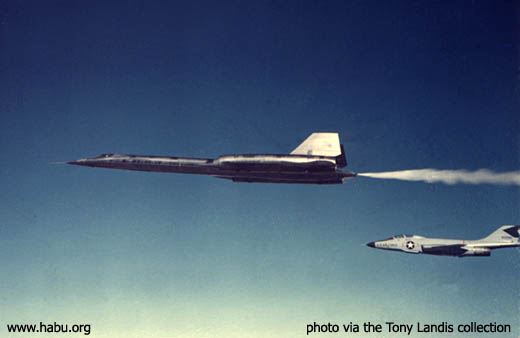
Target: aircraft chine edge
{"type": "Point", "coordinates": [315, 161]}
{"type": "Point", "coordinates": [507, 236]}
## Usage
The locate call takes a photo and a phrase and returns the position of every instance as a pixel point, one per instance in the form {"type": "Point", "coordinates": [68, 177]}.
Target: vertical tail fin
{"type": "Point", "coordinates": [320, 144]}
{"type": "Point", "coordinates": [505, 232]}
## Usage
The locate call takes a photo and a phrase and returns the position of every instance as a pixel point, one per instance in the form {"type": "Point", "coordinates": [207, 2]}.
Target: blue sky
{"type": "Point", "coordinates": [407, 86]}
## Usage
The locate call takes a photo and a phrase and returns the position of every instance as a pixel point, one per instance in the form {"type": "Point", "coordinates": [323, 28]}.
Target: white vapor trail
{"type": "Point", "coordinates": [450, 176]}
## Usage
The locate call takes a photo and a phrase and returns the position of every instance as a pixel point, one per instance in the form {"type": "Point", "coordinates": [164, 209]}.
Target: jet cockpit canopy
{"type": "Point", "coordinates": [404, 236]}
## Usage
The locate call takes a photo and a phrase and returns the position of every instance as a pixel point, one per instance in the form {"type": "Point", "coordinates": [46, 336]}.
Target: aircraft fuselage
{"type": "Point", "coordinates": [266, 168]}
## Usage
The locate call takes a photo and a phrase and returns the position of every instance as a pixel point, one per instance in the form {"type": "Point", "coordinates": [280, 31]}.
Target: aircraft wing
{"type": "Point", "coordinates": [453, 249]}
{"type": "Point", "coordinates": [459, 250]}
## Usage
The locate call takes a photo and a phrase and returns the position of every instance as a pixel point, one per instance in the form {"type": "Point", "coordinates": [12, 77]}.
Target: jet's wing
{"type": "Point", "coordinates": [448, 250]}
{"type": "Point", "coordinates": [319, 144]}
{"type": "Point", "coordinates": [459, 250]}
{"type": "Point", "coordinates": [282, 179]}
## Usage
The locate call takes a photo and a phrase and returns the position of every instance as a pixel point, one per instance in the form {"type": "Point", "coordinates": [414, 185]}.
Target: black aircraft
{"type": "Point", "coordinates": [316, 161]}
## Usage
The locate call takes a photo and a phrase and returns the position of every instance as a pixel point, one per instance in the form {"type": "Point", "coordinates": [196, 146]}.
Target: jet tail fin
{"type": "Point", "coordinates": [505, 232]}
{"type": "Point", "coordinates": [320, 144]}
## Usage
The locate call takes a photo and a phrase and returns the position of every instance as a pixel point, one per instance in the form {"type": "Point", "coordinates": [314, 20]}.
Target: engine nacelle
{"type": "Point", "coordinates": [477, 252]}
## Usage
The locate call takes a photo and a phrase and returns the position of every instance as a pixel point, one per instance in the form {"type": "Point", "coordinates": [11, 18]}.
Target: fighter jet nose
{"type": "Point", "coordinates": [371, 244]}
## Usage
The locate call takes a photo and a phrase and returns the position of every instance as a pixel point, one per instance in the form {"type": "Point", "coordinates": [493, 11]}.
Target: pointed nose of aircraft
{"type": "Point", "coordinates": [371, 244]}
